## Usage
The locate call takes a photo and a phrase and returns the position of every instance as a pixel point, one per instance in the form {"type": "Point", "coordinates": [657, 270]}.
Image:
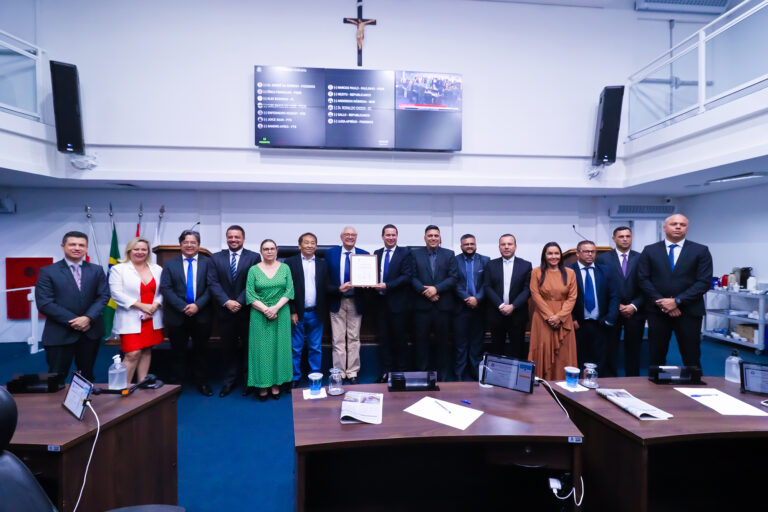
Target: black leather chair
{"type": "Point", "coordinates": [19, 490]}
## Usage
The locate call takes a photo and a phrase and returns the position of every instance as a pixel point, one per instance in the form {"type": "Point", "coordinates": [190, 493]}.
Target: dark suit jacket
{"type": "Point", "coordinates": [629, 291]}
{"type": "Point", "coordinates": [173, 286]}
{"type": "Point", "coordinates": [322, 286]}
{"type": "Point", "coordinates": [688, 282]}
{"type": "Point", "coordinates": [519, 290]}
{"type": "Point", "coordinates": [444, 279]}
{"type": "Point", "coordinates": [59, 299]}
{"type": "Point", "coordinates": [607, 294]}
{"type": "Point", "coordinates": [478, 270]}
{"type": "Point", "coordinates": [333, 259]}
{"type": "Point", "coordinates": [221, 284]}
{"type": "Point", "coordinates": [397, 296]}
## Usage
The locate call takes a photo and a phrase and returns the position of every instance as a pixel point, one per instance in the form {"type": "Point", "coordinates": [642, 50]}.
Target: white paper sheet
{"type": "Point", "coordinates": [721, 402]}
{"type": "Point", "coordinates": [566, 387]}
{"type": "Point", "coordinates": [453, 415]}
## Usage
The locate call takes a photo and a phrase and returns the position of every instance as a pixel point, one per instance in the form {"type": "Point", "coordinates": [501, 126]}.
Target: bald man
{"type": "Point", "coordinates": [674, 275]}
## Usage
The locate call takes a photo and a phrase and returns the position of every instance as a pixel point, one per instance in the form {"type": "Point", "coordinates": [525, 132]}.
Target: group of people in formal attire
{"type": "Point", "coordinates": [268, 311]}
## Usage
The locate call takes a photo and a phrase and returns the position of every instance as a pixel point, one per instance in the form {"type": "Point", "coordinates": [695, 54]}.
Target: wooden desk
{"type": "Point", "coordinates": [410, 463]}
{"type": "Point", "coordinates": [134, 462]}
{"type": "Point", "coordinates": [698, 460]}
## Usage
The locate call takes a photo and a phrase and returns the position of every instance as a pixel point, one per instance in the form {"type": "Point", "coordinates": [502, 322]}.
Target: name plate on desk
{"type": "Point", "coordinates": [675, 375]}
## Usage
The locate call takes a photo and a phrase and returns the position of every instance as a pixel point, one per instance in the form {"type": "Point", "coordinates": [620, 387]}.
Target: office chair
{"type": "Point", "coordinates": [19, 490]}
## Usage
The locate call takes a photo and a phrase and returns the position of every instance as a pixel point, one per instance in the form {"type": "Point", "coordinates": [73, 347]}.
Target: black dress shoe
{"type": "Point", "coordinates": [383, 378]}
{"type": "Point", "coordinates": [354, 380]}
{"type": "Point", "coordinates": [205, 389]}
{"type": "Point", "coordinates": [247, 390]}
{"type": "Point", "coordinates": [225, 390]}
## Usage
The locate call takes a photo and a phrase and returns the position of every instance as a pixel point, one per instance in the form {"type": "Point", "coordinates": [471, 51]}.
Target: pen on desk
{"type": "Point", "coordinates": [467, 402]}
{"type": "Point", "coordinates": [697, 396]}
{"type": "Point", "coordinates": [443, 407]}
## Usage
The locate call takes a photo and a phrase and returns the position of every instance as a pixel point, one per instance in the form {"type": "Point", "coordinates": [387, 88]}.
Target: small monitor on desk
{"type": "Point", "coordinates": [754, 378]}
{"type": "Point", "coordinates": [508, 373]}
{"type": "Point", "coordinates": [78, 393]}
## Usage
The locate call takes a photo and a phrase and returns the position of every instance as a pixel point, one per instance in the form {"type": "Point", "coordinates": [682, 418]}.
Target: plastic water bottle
{"type": "Point", "coordinates": [732, 369]}
{"type": "Point", "coordinates": [117, 374]}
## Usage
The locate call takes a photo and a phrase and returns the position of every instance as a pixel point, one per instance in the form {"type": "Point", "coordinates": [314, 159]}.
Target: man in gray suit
{"type": "Point", "coordinates": [72, 293]}
{"type": "Point", "coordinates": [468, 324]}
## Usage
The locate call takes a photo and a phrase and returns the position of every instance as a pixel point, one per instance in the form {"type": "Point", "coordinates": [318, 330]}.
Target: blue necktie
{"type": "Point", "coordinates": [346, 267]}
{"type": "Point", "coordinates": [589, 291]}
{"type": "Point", "coordinates": [190, 282]}
{"type": "Point", "coordinates": [672, 256]}
{"type": "Point", "coordinates": [233, 265]}
{"type": "Point", "coordinates": [470, 281]}
{"type": "Point", "coordinates": [386, 264]}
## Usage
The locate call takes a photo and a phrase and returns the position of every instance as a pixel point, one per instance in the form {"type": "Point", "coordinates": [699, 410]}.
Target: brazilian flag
{"type": "Point", "coordinates": [109, 311]}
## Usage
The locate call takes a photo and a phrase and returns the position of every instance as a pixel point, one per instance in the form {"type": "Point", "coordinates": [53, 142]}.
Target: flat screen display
{"type": "Point", "coordinates": [508, 373]}
{"type": "Point", "coordinates": [357, 109]}
{"type": "Point", "coordinates": [78, 392]}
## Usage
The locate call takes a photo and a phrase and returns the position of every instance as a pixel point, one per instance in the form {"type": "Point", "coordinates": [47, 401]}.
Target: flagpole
{"type": "Point", "coordinates": [156, 241]}
{"type": "Point", "coordinates": [93, 233]}
{"type": "Point", "coordinates": [138, 224]}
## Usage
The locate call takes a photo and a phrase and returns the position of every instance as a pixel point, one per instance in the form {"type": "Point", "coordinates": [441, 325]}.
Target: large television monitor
{"type": "Point", "coordinates": [357, 109]}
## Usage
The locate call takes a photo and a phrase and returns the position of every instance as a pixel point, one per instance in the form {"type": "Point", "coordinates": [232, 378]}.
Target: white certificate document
{"type": "Point", "coordinates": [721, 402]}
{"type": "Point", "coordinates": [363, 270]}
{"type": "Point", "coordinates": [453, 415]}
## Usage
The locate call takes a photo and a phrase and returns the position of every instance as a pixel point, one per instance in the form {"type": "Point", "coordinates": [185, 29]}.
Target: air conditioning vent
{"type": "Point", "coordinates": [642, 211]}
{"type": "Point", "coordinates": [689, 6]}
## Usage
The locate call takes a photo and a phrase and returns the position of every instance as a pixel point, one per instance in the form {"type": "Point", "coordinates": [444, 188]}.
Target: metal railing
{"type": "Point", "coordinates": [21, 76]}
{"type": "Point", "coordinates": [34, 335]}
{"type": "Point", "coordinates": [723, 61]}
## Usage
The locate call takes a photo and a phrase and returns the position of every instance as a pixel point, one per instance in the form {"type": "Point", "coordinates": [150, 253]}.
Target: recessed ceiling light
{"type": "Point", "coordinates": [738, 177]}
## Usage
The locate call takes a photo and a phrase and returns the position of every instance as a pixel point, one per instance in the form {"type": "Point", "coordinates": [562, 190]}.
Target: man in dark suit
{"type": "Point", "coordinates": [469, 322]}
{"type": "Point", "coordinates": [507, 289]}
{"type": "Point", "coordinates": [596, 308]}
{"type": "Point", "coordinates": [674, 275]}
{"type": "Point", "coordinates": [186, 311]}
{"type": "Point", "coordinates": [434, 278]}
{"type": "Point", "coordinates": [72, 293]}
{"type": "Point", "coordinates": [227, 275]}
{"type": "Point", "coordinates": [623, 262]}
{"type": "Point", "coordinates": [346, 305]}
{"type": "Point", "coordinates": [309, 305]}
{"type": "Point", "coordinates": [392, 303]}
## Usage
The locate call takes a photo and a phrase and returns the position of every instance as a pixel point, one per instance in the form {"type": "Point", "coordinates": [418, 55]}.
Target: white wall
{"type": "Point", "coordinates": [44, 215]}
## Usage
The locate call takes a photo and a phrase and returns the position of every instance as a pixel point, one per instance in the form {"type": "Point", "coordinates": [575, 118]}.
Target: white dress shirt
{"type": "Point", "coordinates": [310, 291]}
{"type": "Point", "coordinates": [590, 315]}
{"type": "Point", "coordinates": [343, 261]}
{"type": "Point", "coordinates": [237, 257]}
{"type": "Point", "coordinates": [383, 256]}
{"type": "Point", "coordinates": [508, 265]}
{"type": "Point", "coordinates": [679, 248]}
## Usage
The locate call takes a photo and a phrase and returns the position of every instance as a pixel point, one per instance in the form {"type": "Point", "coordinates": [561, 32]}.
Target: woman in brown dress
{"type": "Point", "coordinates": [553, 291]}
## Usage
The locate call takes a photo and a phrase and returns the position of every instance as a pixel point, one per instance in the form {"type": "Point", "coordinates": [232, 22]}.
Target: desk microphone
{"type": "Point", "coordinates": [580, 235]}
{"type": "Point", "coordinates": [194, 226]}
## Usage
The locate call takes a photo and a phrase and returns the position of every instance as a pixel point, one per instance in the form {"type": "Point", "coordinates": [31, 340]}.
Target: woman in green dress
{"type": "Point", "coordinates": [268, 290]}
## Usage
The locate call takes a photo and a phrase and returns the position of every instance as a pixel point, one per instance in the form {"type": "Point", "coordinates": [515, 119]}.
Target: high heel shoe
{"type": "Point", "coordinates": [275, 394]}
{"type": "Point", "coordinates": [263, 397]}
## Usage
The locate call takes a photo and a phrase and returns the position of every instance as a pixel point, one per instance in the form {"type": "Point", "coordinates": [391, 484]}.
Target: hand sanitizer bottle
{"type": "Point", "coordinates": [117, 374]}
{"type": "Point", "coordinates": [732, 368]}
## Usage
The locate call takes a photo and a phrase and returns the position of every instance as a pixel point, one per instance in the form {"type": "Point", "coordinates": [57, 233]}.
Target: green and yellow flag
{"type": "Point", "coordinates": [109, 310]}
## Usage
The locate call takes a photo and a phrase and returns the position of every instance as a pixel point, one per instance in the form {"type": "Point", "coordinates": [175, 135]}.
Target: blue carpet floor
{"type": "Point", "coordinates": [236, 453]}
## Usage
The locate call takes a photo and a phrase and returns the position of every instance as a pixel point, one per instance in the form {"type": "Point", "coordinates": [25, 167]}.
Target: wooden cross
{"type": "Point", "coordinates": [360, 23]}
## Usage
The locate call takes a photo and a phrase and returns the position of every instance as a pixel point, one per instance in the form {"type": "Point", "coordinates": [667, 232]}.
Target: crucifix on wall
{"type": "Point", "coordinates": [360, 23]}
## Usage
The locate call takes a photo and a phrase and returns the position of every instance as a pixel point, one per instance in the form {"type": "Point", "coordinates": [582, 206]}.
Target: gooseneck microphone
{"type": "Point", "coordinates": [580, 235]}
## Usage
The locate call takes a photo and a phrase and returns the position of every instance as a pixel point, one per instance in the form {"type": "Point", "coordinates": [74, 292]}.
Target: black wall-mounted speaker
{"type": "Point", "coordinates": [66, 108]}
{"type": "Point", "coordinates": [607, 130]}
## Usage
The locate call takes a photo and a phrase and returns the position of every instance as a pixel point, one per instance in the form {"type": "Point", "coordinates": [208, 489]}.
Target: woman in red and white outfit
{"type": "Point", "coordinates": [135, 287]}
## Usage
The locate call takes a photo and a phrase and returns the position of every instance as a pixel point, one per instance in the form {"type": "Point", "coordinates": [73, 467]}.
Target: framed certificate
{"type": "Point", "coordinates": [363, 270]}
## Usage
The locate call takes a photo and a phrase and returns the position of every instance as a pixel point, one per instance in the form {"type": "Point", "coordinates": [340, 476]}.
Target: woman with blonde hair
{"type": "Point", "coordinates": [135, 288]}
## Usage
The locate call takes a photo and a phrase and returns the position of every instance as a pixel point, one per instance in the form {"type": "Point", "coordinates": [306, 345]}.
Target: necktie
{"type": "Point", "coordinates": [432, 261]}
{"type": "Point", "coordinates": [470, 280]}
{"type": "Point", "coordinates": [76, 274]}
{"type": "Point", "coordinates": [233, 265]}
{"type": "Point", "coordinates": [190, 282]}
{"type": "Point", "coordinates": [624, 264]}
{"type": "Point", "coordinates": [346, 266]}
{"type": "Point", "coordinates": [589, 291]}
{"type": "Point", "coordinates": [386, 264]}
{"type": "Point", "coordinates": [672, 256]}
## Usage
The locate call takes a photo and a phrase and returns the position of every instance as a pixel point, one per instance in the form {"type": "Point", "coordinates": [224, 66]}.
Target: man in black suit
{"type": "Point", "coordinates": [469, 322]}
{"type": "Point", "coordinates": [309, 305]}
{"type": "Point", "coordinates": [596, 308]}
{"type": "Point", "coordinates": [392, 303]}
{"type": "Point", "coordinates": [434, 279]}
{"type": "Point", "coordinates": [632, 315]}
{"type": "Point", "coordinates": [674, 275]}
{"type": "Point", "coordinates": [507, 290]}
{"type": "Point", "coordinates": [72, 293]}
{"type": "Point", "coordinates": [227, 275]}
{"type": "Point", "coordinates": [186, 311]}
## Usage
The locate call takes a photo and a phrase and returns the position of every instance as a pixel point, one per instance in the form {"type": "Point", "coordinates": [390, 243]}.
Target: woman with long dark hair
{"type": "Point", "coordinates": [553, 290]}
